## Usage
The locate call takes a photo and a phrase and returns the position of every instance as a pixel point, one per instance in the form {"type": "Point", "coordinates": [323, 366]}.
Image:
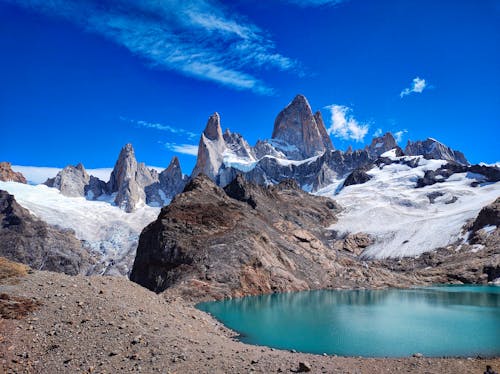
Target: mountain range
{"type": "Point", "coordinates": [390, 203]}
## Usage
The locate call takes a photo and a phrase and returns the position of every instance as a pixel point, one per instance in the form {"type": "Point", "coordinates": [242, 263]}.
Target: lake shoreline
{"type": "Point", "coordinates": [109, 324]}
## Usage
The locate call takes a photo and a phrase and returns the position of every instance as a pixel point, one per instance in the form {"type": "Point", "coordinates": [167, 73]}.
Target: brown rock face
{"type": "Point", "coordinates": [246, 240]}
{"type": "Point", "coordinates": [297, 126]}
{"type": "Point", "coordinates": [26, 239]}
{"type": "Point", "coordinates": [327, 141]}
{"type": "Point", "coordinates": [7, 174]}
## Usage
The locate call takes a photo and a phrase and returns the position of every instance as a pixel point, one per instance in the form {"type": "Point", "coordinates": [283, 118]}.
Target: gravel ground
{"type": "Point", "coordinates": [111, 325]}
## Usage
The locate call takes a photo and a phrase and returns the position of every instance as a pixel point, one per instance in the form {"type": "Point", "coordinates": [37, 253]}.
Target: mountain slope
{"type": "Point", "coordinates": [105, 228]}
{"type": "Point", "coordinates": [405, 220]}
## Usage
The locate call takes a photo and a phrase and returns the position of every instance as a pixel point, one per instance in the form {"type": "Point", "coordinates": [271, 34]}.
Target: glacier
{"type": "Point", "coordinates": [400, 217]}
{"type": "Point", "coordinates": [105, 228]}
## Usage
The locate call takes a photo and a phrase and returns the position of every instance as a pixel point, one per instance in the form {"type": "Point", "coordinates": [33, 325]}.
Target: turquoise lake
{"type": "Point", "coordinates": [434, 321]}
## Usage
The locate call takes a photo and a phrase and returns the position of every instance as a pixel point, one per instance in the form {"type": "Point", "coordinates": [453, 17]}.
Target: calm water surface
{"type": "Point", "coordinates": [435, 321]}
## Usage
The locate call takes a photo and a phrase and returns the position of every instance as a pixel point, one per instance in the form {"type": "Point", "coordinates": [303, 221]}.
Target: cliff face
{"type": "Point", "coordinates": [432, 149]}
{"type": "Point", "coordinates": [71, 181]}
{"type": "Point", "coordinates": [24, 238]}
{"type": "Point", "coordinates": [210, 149]}
{"type": "Point", "coordinates": [297, 127]}
{"type": "Point", "coordinates": [9, 175]}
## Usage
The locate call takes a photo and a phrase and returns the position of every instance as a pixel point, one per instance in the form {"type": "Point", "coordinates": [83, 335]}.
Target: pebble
{"type": "Point", "coordinates": [304, 367]}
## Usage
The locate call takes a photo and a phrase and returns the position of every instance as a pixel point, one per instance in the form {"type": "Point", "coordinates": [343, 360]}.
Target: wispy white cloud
{"type": "Point", "coordinates": [314, 3]}
{"type": "Point", "coordinates": [198, 38]}
{"type": "Point", "coordinates": [377, 132]}
{"type": "Point", "coordinates": [187, 149]}
{"type": "Point", "coordinates": [398, 135]}
{"type": "Point", "coordinates": [417, 86]}
{"type": "Point", "coordinates": [161, 127]}
{"type": "Point", "coordinates": [344, 125]}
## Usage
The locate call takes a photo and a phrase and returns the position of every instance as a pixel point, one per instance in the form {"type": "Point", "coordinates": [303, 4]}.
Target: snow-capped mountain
{"type": "Point", "coordinates": [299, 149]}
{"type": "Point", "coordinates": [399, 203]}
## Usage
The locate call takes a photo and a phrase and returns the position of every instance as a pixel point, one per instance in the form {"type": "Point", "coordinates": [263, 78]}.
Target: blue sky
{"type": "Point", "coordinates": [79, 79]}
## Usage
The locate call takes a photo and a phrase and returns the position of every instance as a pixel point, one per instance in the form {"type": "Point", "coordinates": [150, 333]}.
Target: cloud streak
{"type": "Point", "coordinates": [187, 149]}
{"type": "Point", "coordinates": [418, 85]}
{"type": "Point", "coordinates": [344, 125]}
{"type": "Point", "coordinates": [198, 38]}
{"type": "Point", "coordinates": [398, 135]}
{"type": "Point", "coordinates": [161, 127]}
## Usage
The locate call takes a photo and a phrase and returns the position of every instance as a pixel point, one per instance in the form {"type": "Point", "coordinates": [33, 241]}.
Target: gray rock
{"type": "Point", "coordinates": [432, 149]}
{"type": "Point", "coordinates": [129, 180]}
{"type": "Point", "coordinates": [71, 181]}
{"type": "Point", "coordinates": [304, 367]}
{"type": "Point", "coordinates": [210, 149]}
{"type": "Point", "coordinates": [381, 145]}
{"type": "Point", "coordinates": [95, 188]}
{"type": "Point", "coordinates": [171, 181]}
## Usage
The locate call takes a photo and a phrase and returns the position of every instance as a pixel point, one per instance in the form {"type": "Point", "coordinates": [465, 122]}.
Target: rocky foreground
{"type": "Point", "coordinates": [108, 325]}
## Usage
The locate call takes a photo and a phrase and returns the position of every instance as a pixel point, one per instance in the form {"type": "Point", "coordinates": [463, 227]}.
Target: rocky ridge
{"type": "Point", "coordinates": [131, 183]}
{"type": "Point", "coordinates": [248, 239]}
{"type": "Point", "coordinates": [300, 149]}
{"type": "Point", "coordinates": [29, 240]}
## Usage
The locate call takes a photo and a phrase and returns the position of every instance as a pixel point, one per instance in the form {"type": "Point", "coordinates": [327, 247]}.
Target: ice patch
{"type": "Point", "coordinates": [244, 164]}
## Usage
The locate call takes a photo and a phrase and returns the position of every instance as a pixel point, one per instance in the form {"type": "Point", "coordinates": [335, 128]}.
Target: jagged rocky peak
{"type": "Point", "coordinates": [381, 145]}
{"type": "Point", "coordinates": [210, 149]}
{"type": "Point", "coordinates": [433, 149]}
{"type": "Point", "coordinates": [172, 181]}
{"type": "Point", "coordinates": [9, 175]}
{"type": "Point", "coordinates": [71, 181]}
{"type": "Point", "coordinates": [213, 130]}
{"type": "Point", "coordinates": [129, 179]}
{"type": "Point", "coordinates": [299, 133]}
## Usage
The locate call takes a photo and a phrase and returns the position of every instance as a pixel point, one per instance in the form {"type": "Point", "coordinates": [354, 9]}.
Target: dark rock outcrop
{"type": "Point", "coordinates": [480, 174]}
{"type": "Point", "coordinates": [488, 216]}
{"type": "Point", "coordinates": [9, 175]}
{"type": "Point", "coordinates": [432, 149]}
{"type": "Point", "coordinates": [299, 131]}
{"type": "Point", "coordinates": [236, 246]}
{"type": "Point", "coordinates": [248, 239]}
{"type": "Point", "coordinates": [71, 181]}
{"type": "Point", "coordinates": [26, 239]}
{"type": "Point", "coordinates": [358, 176]}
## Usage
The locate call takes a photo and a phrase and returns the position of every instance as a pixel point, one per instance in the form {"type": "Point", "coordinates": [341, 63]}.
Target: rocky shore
{"type": "Point", "coordinates": [108, 324]}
